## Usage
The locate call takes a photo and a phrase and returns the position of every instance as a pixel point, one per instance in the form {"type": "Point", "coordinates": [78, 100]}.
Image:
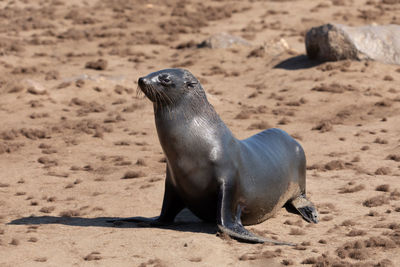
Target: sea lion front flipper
{"type": "Point", "coordinates": [306, 208]}
{"type": "Point", "coordinates": [231, 224]}
{"type": "Point", "coordinates": [172, 205]}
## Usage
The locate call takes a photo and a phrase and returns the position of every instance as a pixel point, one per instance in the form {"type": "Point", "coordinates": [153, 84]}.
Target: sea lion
{"type": "Point", "coordinates": [218, 177]}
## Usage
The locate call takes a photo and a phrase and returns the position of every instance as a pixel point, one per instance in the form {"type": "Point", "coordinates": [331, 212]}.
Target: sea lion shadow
{"type": "Point", "coordinates": [184, 222]}
{"type": "Point", "coordinates": [297, 62]}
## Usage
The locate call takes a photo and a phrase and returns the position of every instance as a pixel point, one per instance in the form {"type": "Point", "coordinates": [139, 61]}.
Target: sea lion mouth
{"type": "Point", "coordinates": [155, 95]}
{"type": "Point", "coordinates": [145, 87]}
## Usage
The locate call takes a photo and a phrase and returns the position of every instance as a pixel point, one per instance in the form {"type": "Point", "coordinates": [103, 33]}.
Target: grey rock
{"type": "Point", "coordinates": [223, 40]}
{"type": "Point", "coordinates": [332, 42]}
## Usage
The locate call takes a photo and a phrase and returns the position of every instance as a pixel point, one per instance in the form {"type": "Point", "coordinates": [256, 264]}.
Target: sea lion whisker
{"type": "Point", "coordinates": [166, 98]}
{"type": "Point", "coordinates": [159, 99]}
{"type": "Point", "coordinates": [159, 102]}
{"type": "Point", "coordinates": [160, 96]}
{"type": "Point", "coordinates": [164, 101]}
{"type": "Point", "coordinates": [154, 96]}
{"type": "Point", "coordinates": [139, 92]}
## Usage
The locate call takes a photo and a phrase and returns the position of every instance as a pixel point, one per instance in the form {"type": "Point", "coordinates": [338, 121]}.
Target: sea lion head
{"type": "Point", "coordinates": [171, 86]}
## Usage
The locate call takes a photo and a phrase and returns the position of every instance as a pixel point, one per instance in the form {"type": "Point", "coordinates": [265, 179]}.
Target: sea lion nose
{"type": "Point", "coordinates": [142, 81]}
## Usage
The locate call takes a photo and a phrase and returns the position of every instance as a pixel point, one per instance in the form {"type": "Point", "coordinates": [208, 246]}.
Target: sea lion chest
{"type": "Point", "coordinates": [192, 147]}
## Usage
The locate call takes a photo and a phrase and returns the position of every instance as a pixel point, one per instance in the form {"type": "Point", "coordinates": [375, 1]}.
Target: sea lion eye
{"type": "Point", "coordinates": [164, 79]}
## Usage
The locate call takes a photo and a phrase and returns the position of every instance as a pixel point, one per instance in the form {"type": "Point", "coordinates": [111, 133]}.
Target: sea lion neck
{"type": "Point", "coordinates": [182, 122]}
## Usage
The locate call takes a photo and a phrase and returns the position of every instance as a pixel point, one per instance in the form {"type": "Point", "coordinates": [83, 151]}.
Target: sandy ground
{"type": "Point", "coordinates": [72, 127]}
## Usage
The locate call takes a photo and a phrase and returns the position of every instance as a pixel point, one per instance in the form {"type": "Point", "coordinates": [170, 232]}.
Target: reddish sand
{"type": "Point", "coordinates": [73, 127]}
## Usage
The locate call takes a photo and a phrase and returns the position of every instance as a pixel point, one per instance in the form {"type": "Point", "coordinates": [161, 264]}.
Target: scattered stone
{"type": "Point", "coordinates": [383, 188]}
{"type": "Point", "coordinates": [195, 259]}
{"type": "Point", "coordinates": [356, 232]}
{"type": "Point", "coordinates": [262, 125]}
{"type": "Point", "coordinates": [47, 161]}
{"type": "Point", "coordinates": [296, 231]}
{"type": "Point", "coordinates": [383, 171]}
{"type": "Point", "coordinates": [52, 75]}
{"type": "Point", "coordinates": [70, 213]}
{"type": "Point", "coordinates": [94, 256]}
{"type": "Point", "coordinates": [47, 209]}
{"type": "Point", "coordinates": [222, 40]}
{"type": "Point", "coordinates": [41, 259]}
{"type": "Point", "coordinates": [14, 242]}
{"type": "Point", "coordinates": [257, 52]}
{"type": "Point", "coordinates": [323, 126]}
{"type": "Point", "coordinates": [394, 157]}
{"type": "Point", "coordinates": [376, 201]}
{"type": "Point", "coordinates": [332, 42]}
{"type": "Point", "coordinates": [335, 165]}
{"type": "Point", "coordinates": [100, 64]}
{"type": "Point", "coordinates": [63, 85]}
{"type": "Point", "coordinates": [132, 175]}
{"type": "Point", "coordinates": [33, 239]}
{"type": "Point", "coordinates": [35, 91]}
{"type": "Point", "coordinates": [287, 262]}
{"type": "Point", "coordinates": [348, 189]}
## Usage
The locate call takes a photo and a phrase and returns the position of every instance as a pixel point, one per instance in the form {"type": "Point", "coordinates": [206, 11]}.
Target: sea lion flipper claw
{"type": "Point", "coordinates": [306, 208]}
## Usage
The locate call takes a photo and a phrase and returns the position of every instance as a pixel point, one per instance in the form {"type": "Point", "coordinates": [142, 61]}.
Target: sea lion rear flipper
{"type": "Point", "coordinates": [306, 208]}
{"type": "Point", "coordinates": [231, 224]}
{"type": "Point", "coordinates": [237, 231]}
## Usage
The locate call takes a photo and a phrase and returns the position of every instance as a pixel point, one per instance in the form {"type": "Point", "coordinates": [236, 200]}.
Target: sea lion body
{"type": "Point", "coordinates": [267, 169]}
{"type": "Point", "coordinates": [272, 172]}
{"type": "Point", "coordinates": [218, 177]}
